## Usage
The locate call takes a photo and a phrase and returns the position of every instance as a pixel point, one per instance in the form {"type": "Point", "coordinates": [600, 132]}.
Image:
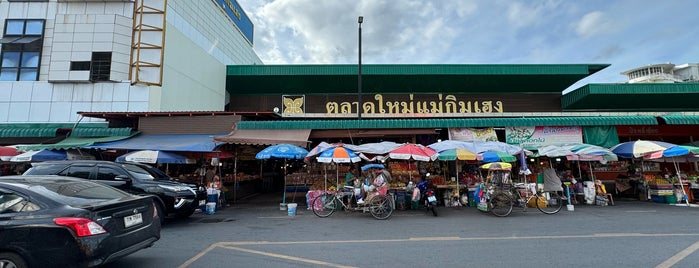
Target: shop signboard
{"type": "Point", "coordinates": [473, 134]}
{"type": "Point", "coordinates": [535, 137]}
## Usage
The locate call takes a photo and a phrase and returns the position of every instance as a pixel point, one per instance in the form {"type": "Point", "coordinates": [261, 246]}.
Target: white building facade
{"type": "Point", "coordinates": [60, 57]}
{"type": "Point", "coordinates": [663, 73]}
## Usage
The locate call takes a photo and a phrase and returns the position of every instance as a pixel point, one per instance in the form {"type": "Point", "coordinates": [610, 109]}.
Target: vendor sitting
{"type": "Point", "coordinates": [379, 185]}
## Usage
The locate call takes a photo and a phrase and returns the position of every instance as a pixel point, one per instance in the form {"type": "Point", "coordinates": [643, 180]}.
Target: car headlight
{"type": "Point", "coordinates": [177, 188]}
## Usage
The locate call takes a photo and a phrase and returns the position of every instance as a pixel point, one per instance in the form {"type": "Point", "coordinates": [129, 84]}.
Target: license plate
{"type": "Point", "coordinates": [202, 202]}
{"type": "Point", "coordinates": [132, 220]}
{"type": "Point", "coordinates": [431, 199]}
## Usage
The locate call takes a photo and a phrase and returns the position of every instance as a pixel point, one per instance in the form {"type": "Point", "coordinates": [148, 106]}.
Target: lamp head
{"type": "Point", "coordinates": [360, 19]}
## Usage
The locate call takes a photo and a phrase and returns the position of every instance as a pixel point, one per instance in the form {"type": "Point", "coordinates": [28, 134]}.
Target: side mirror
{"type": "Point", "coordinates": [123, 178]}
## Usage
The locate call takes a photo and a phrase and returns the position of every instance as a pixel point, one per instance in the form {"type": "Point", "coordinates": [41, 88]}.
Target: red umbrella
{"type": "Point", "coordinates": [7, 152]}
{"type": "Point", "coordinates": [413, 151]}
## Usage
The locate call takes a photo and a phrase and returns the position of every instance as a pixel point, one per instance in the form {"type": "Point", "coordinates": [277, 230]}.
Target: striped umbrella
{"type": "Point", "coordinates": [457, 153]}
{"type": "Point", "coordinates": [497, 166]}
{"type": "Point", "coordinates": [639, 148]}
{"type": "Point", "coordinates": [496, 156]}
{"type": "Point", "coordinates": [338, 155]}
{"type": "Point", "coordinates": [413, 151]}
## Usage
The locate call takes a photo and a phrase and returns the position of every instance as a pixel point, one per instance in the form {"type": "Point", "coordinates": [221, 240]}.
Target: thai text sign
{"type": "Point", "coordinates": [534, 137]}
{"type": "Point", "coordinates": [473, 134]}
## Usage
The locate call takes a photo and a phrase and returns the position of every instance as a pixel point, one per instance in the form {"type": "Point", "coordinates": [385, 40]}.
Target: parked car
{"type": "Point", "coordinates": [55, 221]}
{"type": "Point", "coordinates": [174, 198]}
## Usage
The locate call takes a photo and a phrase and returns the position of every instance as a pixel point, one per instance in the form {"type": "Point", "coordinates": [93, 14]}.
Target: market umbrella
{"type": "Point", "coordinates": [7, 152]}
{"type": "Point", "coordinates": [413, 151]}
{"type": "Point", "coordinates": [497, 166]}
{"type": "Point", "coordinates": [322, 146]}
{"type": "Point", "coordinates": [282, 151]}
{"type": "Point", "coordinates": [496, 156]}
{"type": "Point", "coordinates": [153, 157]}
{"type": "Point", "coordinates": [373, 151]}
{"type": "Point", "coordinates": [457, 153]}
{"type": "Point", "coordinates": [639, 148]}
{"type": "Point", "coordinates": [369, 166]}
{"type": "Point", "coordinates": [41, 155]}
{"type": "Point", "coordinates": [338, 155]}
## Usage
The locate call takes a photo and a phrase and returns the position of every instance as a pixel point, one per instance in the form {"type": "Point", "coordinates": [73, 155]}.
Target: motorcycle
{"type": "Point", "coordinates": [428, 195]}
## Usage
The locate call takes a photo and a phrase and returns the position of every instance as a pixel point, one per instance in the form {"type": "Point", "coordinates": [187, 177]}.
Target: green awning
{"type": "Point", "coordinates": [633, 97]}
{"type": "Point", "coordinates": [451, 122]}
{"type": "Point", "coordinates": [681, 119]}
{"type": "Point", "coordinates": [71, 143]}
{"type": "Point", "coordinates": [100, 132]}
{"type": "Point", "coordinates": [25, 130]}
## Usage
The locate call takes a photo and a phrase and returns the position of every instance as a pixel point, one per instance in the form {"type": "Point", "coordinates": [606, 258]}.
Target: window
{"type": "Point", "coordinates": [77, 171]}
{"type": "Point", "coordinates": [21, 50]}
{"type": "Point", "coordinates": [101, 65]}
{"type": "Point", "coordinates": [108, 173]}
{"type": "Point", "coordinates": [79, 65]}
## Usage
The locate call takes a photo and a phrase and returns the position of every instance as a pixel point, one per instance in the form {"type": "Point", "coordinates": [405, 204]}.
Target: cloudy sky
{"type": "Point", "coordinates": [623, 33]}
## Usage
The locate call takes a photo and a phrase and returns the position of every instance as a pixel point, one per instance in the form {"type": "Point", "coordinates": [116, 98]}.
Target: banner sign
{"type": "Point", "coordinates": [535, 137]}
{"type": "Point", "coordinates": [473, 134]}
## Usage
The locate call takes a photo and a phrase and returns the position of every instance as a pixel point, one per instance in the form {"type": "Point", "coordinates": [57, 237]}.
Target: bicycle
{"type": "Point", "coordinates": [501, 201]}
{"type": "Point", "coordinates": [380, 206]}
{"type": "Point", "coordinates": [501, 195]}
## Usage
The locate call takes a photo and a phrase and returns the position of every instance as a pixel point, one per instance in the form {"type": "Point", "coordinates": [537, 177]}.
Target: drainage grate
{"type": "Point", "coordinates": [215, 220]}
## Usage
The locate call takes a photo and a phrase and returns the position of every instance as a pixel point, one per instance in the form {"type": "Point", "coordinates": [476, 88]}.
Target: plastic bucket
{"type": "Point", "coordinates": [291, 209]}
{"type": "Point", "coordinates": [210, 208]}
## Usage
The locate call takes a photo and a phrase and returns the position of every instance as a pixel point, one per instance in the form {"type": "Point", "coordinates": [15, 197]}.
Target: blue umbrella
{"type": "Point", "coordinates": [42, 155]}
{"type": "Point", "coordinates": [368, 166]}
{"type": "Point", "coordinates": [639, 148]}
{"type": "Point", "coordinates": [283, 151]}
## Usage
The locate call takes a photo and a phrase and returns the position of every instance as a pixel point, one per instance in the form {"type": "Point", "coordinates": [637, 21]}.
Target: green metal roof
{"type": "Point", "coordinates": [450, 123]}
{"type": "Point", "coordinates": [72, 143]}
{"type": "Point", "coordinates": [24, 130]}
{"type": "Point", "coordinates": [100, 132]}
{"type": "Point", "coordinates": [633, 97]}
{"type": "Point", "coordinates": [681, 119]}
{"type": "Point", "coordinates": [385, 79]}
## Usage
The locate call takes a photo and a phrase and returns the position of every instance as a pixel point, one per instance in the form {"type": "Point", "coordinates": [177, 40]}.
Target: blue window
{"type": "Point", "coordinates": [21, 50]}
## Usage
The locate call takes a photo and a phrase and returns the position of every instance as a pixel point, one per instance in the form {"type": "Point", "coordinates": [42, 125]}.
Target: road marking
{"type": "Point", "coordinates": [679, 256]}
{"type": "Point", "coordinates": [287, 257]}
{"type": "Point", "coordinates": [233, 245]}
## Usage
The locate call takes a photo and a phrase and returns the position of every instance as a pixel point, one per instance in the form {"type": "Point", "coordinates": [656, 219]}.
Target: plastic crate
{"type": "Point", "coordinates": [671, 199]}
{"type": "Point", "coordinates": [658, 198]}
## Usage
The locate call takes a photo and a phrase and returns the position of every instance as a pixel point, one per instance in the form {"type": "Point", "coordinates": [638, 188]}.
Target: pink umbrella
{"type": "Point", "coordinates": [413, 151]}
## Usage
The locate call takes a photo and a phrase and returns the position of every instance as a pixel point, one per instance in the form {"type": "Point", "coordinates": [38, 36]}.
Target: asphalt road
{"type": "Point", "coordinates": [256, 233]}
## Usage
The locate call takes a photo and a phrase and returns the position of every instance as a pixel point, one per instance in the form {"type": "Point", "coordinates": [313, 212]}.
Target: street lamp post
{"type": "Point", "coordinates": [359, 71]}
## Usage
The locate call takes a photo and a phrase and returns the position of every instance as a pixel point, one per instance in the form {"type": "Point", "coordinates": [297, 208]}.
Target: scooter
{"type": "Point", "coordinates": [428, 196]}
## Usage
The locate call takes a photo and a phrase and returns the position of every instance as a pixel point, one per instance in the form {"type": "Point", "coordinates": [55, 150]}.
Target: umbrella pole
{"type": "Point", "coordinates": [284, 193]}
{"type": "Point", "coordinates": [679, 178]}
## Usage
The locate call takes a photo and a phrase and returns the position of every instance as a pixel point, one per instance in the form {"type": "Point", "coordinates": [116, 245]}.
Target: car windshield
{"type": "Point", "coordinates": [145, 173]}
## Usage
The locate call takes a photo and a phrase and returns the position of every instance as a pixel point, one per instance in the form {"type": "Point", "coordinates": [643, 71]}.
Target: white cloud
{"type": "Point", "coordinates": [624, 33]}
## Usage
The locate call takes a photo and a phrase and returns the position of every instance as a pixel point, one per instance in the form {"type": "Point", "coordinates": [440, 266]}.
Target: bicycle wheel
{"type": "Point", "coordinates": [324, 205]}
{"type": "Point", "coordinates": [501, 204]}
{"type": "Point", "coordinates": [549, 202]}
{"type": "Point", "coordinates": [380, 207]}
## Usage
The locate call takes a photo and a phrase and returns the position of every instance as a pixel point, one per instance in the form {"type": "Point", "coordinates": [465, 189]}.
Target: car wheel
{"type": "Point", "coordinates": [11, 260]}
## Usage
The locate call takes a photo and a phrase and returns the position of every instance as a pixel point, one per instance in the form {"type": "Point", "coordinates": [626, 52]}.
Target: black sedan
{"type": "Point", "coordinates": [55, 221]}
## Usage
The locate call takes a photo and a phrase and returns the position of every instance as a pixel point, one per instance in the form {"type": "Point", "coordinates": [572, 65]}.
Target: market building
{"type": "Point", "coordinates": [182, 76]}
